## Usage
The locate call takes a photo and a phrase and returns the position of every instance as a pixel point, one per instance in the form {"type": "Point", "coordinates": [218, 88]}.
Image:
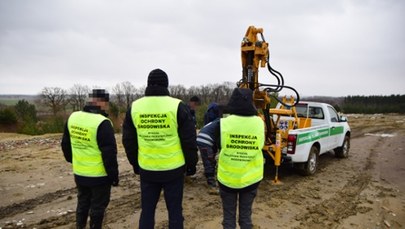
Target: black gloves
{"type": "Point", "coordinates": [190, 171]}
{"type": "Point", "coordinates": [136, 170]}
{"type": "Point", "coordinates": [115, 183]}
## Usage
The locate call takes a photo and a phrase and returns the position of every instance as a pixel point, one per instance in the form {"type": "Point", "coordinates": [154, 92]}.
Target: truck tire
{"type": "Point", "coordinates": [312, 164]}
{"type": "Point", "coordinates": [343, 151]}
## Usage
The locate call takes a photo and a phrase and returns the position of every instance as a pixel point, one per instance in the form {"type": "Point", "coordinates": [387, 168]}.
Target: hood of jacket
{"type": "Point", "coordinates": [241, 102]}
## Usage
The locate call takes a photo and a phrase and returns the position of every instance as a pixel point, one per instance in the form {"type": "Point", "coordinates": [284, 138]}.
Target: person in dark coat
{"type": "Point", "coordinates": [213, 112]}
{"type": "Point", "coordinates": [159, 138]}
{"type": "Point", "coordinates": [240, 137]}
{"type": "Point", "coordinates": [206, 144]}
{"type": "Point", "coordinates": [193, 103]}
{"type": "Point", "coordinates": [88, 143]}
{"type": "Point", "coordinates": [208, 150]}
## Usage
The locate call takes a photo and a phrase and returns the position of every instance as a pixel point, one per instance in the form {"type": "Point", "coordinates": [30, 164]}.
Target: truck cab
{"type": "Point", "coordinates": [326, 131]}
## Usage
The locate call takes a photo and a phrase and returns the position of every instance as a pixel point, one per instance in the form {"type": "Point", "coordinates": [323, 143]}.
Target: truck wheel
{"type": "Point", "coordinates": [343, 151]}
{"type": "Point", "coordinates": [311, 165]}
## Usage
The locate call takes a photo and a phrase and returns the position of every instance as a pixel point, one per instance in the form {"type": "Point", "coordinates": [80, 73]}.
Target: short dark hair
{"type": "Point", "coordinates": [100, 94]}
{"type": "Point", "coordinates": [195, 99]}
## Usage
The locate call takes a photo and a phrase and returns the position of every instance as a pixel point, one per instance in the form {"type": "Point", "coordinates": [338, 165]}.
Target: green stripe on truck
{"type": "Point", "coordinates": [318, 134]}
{"type": "Point", "coordinates": [312, 136]}
{"type": "Point", "coordinates": [336, 130]}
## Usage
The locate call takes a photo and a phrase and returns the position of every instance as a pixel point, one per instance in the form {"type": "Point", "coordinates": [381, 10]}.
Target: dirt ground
{"type": "Point", "coordinates": [367, 190]}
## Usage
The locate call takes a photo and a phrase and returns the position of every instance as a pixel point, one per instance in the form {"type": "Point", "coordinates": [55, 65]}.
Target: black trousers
{"type": "Point", "coordinates": [230, 202]}
{"type": "Point", "coordinates": [173, 194]}
{"type": "Point", "coordinates": [93, 201]}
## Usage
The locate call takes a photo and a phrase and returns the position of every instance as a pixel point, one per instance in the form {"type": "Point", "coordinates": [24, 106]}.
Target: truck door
{"type": "Point", "coordinates": [318, 117]}
{"type": "Point", "coordinates": [336, 128]}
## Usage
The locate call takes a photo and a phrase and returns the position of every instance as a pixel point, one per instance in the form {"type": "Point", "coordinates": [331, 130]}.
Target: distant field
{"type": "Point", "coordinates": [9, 102]}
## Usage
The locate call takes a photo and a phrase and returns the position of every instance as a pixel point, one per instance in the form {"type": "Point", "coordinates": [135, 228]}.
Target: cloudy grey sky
{"type": "Point", "coordinates": [322, 47]}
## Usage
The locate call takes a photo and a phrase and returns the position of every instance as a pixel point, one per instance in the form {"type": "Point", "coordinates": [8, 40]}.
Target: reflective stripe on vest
{"type": "Point", "coordinates": [155, 119]}
{"type": "Point", "coordinates": [86, 156]}
{"type": "Point", "coordinates": [240, 162]}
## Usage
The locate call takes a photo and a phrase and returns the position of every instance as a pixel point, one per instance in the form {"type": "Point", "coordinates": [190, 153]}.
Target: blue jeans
{"type": "Point", "coordinates": [208, 158]}
{"type": "Point", "coordinates": [173, 194]}
{"type": "Point", "coordinates": [93, 200]}
{"type": "Point", "coordinates": [229, 205]}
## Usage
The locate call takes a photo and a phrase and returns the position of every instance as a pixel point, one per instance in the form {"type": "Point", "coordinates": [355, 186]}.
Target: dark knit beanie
{"type": "Point", "coordinates": [158, 77]}
{"type": "Point", "coordinates": [241, 102]}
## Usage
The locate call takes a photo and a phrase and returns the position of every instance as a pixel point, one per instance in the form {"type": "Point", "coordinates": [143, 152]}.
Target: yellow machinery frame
{"type": "Point", "coordinates": [255, 54]}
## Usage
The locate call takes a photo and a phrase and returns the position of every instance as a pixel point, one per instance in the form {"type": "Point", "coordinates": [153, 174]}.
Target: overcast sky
{"type": "Point", "coordinates": [322, 47]}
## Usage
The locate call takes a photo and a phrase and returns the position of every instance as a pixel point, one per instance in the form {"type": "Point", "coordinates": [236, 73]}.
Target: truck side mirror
{"type": "Point", "coordinates": [343, 119]}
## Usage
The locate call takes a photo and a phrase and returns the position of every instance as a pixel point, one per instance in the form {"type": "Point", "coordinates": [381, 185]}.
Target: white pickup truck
{"type": "Point", "coordinates": [327, 131]}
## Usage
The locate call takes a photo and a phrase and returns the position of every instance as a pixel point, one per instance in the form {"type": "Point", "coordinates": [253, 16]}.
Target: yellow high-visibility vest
{"type": "Point", "coordinates": [155, 120]}
{"type": "Point", "coordinates": [86, 156]}
{"type": "Point", "coordinates": [240, 162]}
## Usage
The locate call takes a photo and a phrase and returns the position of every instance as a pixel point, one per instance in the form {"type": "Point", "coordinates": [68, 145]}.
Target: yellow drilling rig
{"type": "Point", "coordinates": [255, 54]}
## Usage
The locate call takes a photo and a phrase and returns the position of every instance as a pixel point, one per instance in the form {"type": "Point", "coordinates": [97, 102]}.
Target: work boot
{"type": "Point", "coordinates": [211, 182]}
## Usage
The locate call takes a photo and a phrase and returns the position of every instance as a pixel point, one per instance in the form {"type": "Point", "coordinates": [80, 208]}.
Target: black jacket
{"type": "Point", "coordinates": [107, 145]}
{"type": "Point", "coordinates": [186, 132]}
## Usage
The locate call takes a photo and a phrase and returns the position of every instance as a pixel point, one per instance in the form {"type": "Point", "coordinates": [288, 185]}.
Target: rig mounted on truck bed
{"type": "Point", "coordinates": [255, 54]}
{"type": "Point", "coordinates": [291, 134]}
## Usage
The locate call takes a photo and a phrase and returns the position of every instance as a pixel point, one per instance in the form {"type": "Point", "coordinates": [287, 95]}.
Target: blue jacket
{"type": "Point", "coordinates": [212, 113]}
{"type": "Point", "coordinates": [209, 134]}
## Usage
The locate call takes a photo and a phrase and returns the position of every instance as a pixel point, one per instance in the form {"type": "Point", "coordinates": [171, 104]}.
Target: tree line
{"type": "Point", "coordinates": [374, 104]}
{"type": "Point", "coordinates": [54, 104]}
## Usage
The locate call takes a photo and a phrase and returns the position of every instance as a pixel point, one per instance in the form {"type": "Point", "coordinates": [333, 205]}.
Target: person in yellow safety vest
{"type": "Point", "coordinates": [88, 143]}
{"type": "Point", "coordinates": [240, 137]}
{"type": "Point", "coordinates": [159, 138]}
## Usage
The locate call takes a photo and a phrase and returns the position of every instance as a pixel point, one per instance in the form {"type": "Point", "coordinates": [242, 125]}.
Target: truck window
{"type": "Point", "coordinates": [334, 117]}
{"type": "Point", "coordinates": [316, 113]}
{"type": "Point", "coordinates": [301, 110]}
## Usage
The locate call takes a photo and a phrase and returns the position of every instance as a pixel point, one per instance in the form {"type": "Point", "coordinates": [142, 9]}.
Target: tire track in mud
{"type": "Point", "coordinates": [345, 202]}
{"type": "Point", "coordinates": [118, 208]}
{"type": "Point", "coordinates": [203, 206]}
{"type": "Point", "coordinates": [30, 204]}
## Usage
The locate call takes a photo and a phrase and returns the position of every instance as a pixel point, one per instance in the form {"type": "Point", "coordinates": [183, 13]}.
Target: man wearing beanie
{"type": "Point", "coordinates": [240, 137]}
{"type": "Point", "coordinates": [159, 138]}
{"type": "Point", "coordinates": [88, 143]}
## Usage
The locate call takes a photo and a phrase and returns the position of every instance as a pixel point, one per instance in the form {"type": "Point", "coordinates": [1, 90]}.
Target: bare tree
{"type": "Point", "coordinates": [119, 95]}
{"type": "Point", "coordinates": [222, 92]}
{"type": "Point", "coordinates": [129, 93]}
{"type": "Point", "coordinates": [77, 96]}
{"type": "Point", "coordinates": [140, 92]}
{"type": "Point", "coordinates": [54, 98]}
{"type": "Point", "coordinates": [124, 93]}
{"type": "Point", "coordinates": [205, 93]}
{"type": "Point", "coordinates": [178, 91]}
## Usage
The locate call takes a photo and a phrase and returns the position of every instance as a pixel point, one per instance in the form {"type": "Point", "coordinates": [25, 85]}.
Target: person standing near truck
{"type": "Point", "coordinates": [205, 141]}
{"type": "Point", "coordinates": [240, 164]}
{"type": "Point", "coordinates": [193, 103]}
{"type": "Point", "coordinates": [208, 149]}
{"type": "Point", "coordinates": [159, 138]}
{"type": "Point", "coordinates": [88, 143]}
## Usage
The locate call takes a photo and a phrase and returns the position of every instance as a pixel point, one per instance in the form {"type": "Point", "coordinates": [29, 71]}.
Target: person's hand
{"type": "Point", "coordinates": [136, 170]}
{"type": "Point", "coordinates": [190, 171]}
{"type": "Point", "coordinates": [115, 183]}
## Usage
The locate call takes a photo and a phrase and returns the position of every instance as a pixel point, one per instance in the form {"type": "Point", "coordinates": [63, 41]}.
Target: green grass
{"type": "Point", "coordinates": [9, 102]}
